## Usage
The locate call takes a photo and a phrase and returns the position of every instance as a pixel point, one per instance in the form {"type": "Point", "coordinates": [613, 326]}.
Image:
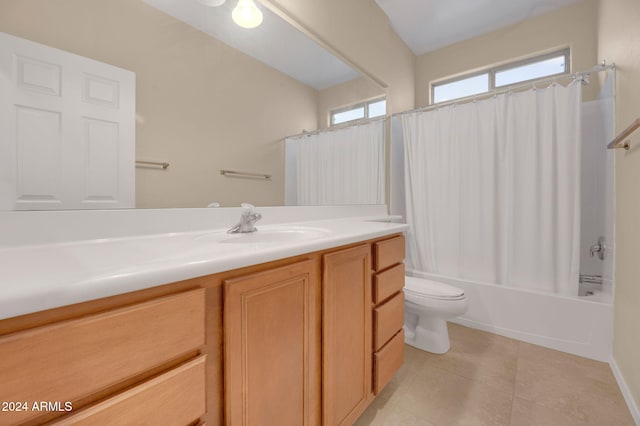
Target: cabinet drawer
{"type": "Point", "coordinates": [176, 397]}
{"type": "Point", "coordinates": [94, 352]}
{"type": "Point", "coordinates": [388, 252]}
{"type": "Point", "coordinates": [388, 318]}
{"type": "Point", "coordinates": [387, 361]}
{"type": "Point", "coordinates": [387, 283]}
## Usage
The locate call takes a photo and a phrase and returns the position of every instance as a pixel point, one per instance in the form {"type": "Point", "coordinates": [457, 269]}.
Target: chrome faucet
{"type": "Point", "coordinates": [598, 248]}
{"type": "Point", "coordinates": [247, 220]}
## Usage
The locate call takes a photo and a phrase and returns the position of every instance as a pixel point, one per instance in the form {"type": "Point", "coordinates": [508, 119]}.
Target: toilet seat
{"type": "Point", "coordinates": [416, 289]}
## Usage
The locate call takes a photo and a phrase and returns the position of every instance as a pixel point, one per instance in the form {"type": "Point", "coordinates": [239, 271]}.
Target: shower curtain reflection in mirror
{"type": "Point", "coordinates": [343, 166]}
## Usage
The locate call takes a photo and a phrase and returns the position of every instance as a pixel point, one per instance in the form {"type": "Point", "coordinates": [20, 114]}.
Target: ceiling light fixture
{"type": "Point", "coordinates": [246, 14]}
{"type": "Point", "coordinates": [212, 3]}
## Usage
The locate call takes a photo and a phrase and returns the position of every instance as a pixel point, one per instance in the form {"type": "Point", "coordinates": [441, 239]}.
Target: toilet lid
{"type": "Point", "coordinates": [421, 287]}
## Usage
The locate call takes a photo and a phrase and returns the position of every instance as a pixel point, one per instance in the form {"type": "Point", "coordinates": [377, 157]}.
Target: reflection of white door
{"type": "Point", "coordinates": [67, 130]}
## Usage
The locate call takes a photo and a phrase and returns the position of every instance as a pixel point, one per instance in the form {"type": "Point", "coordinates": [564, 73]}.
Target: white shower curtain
{"type": "Point", "coordinates": [492, 189]}
{"type": "Point", "coordinates": [345, 166]}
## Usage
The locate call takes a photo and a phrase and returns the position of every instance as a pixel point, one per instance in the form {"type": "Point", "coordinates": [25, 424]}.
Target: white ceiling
{"type": "Point", "coordinates": [274, 42]}
{"type": "Point", "coordinates": [427, 25]}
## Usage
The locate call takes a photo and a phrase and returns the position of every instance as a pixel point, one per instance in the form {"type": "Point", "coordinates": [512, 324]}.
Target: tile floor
{"type": "Point", "coordinates": [487, 379]}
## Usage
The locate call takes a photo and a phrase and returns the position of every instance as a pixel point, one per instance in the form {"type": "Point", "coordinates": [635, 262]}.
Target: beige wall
{"type": "Point", "coordinates": [357, 30]}
{"type": "Point", "coordinates": [201, 105]}
{"type": "Point", "coordinates": [619, 42]}
{"type": "Point", "coordinates": [574, 25]}
{"type": "Point", "coordinates": [400, 77]}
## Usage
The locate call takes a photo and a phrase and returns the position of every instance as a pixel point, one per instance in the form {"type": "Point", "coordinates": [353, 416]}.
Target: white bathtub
{"type": "Point", "coordinates": [578, 325]}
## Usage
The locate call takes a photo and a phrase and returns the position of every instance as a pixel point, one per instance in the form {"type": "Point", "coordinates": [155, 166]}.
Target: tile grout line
{"type": "Point", "coordinates": [515, 384]}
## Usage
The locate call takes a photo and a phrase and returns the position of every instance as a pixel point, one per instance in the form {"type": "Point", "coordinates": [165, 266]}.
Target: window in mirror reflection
{"type": "Point", "coordinates": [377, 108]}
{"type": "Point", "coordinates": [359, 111]}
{"type": "Point", "coordinates": [348, 115]}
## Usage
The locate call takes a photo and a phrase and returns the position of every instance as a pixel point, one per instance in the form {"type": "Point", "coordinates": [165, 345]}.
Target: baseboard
{"type": "Point", "coordinates": [583, 349]}
{"type": "Point", "coordinates": [631, 403]}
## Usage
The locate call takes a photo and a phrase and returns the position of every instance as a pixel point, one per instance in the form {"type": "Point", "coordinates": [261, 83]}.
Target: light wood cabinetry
{"type": "Point", "coordinates": [388, 319]}
{"type": "Point", "coordinates": [305, 340]}
{"type": "Point", "coordinates": [70, 360]}
{"type": "Point", "coordinates": [388, 310]}
{"type": "Point", "coordinates": [272, 347]}
{"type": "Point", "coordinates": [388, 253]}
{"type": "Point", "coordinates": [387, 361]}
{"type": "Point", "coordinates": [388, 283]}
{"type": "Point", "coordinates": [346, 334]}
{"type": "Point", "coordinates": [176, 397]}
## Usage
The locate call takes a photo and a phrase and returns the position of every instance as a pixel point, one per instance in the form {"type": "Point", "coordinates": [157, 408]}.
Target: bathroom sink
{"type": "Point", "coordinates": [270, 235]}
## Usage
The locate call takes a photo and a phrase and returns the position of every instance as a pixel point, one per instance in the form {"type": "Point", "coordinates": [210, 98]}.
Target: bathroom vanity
{"type": "Point", "coordinates": [305, 339]}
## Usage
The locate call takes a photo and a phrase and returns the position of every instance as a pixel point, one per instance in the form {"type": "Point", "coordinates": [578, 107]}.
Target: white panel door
{"type": "Point", "coordinates": [67, 130]}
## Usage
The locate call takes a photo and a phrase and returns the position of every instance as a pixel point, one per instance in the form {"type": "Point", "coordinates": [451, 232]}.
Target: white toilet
{"type": "Point", "coordinates": [428, 305]}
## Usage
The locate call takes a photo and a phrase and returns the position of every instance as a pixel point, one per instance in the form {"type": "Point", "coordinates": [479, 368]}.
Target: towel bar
{"type": "Point", "coordinates": [621, 140]}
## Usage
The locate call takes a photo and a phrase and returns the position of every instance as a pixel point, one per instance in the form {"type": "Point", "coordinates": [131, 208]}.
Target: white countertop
{"type": "Point", "coordinates": [43, 276]}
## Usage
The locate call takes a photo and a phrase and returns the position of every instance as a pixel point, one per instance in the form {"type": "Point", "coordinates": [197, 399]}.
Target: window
{"type": "Point", "coordinates": [548, 65]}
{"type": "Point", "coordinates": [460, 88]}
{"type": "Point", "coordinates": [370, 109]}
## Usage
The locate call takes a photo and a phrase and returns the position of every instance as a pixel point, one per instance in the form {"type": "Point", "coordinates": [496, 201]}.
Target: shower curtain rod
{"type": "Point", "coordinates": [576, 76]}
{"type": "Point", "coordinates": [361, 122]}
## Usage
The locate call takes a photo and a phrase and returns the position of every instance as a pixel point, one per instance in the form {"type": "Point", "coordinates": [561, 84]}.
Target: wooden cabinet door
{"type": "Point", "coordinates": [346, 335]}
{"type": "Point", "coordinates": [272, 347]}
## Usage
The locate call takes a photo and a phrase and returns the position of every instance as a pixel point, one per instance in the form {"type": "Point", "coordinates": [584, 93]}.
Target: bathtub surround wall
{"type": "Point", "coordinates": [597, 184]}
{"type": "Point", "coordinates": [619, 42]}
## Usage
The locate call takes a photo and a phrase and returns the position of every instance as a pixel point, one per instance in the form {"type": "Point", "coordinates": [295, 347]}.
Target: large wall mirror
{"type": "Point", "coordinates": [209, 95]}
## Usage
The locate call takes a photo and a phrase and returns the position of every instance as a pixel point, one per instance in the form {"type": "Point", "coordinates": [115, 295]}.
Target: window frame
{"type": "Point", "coordinates": [491, 72]}
{"type": "Point", "coordinates": [363, 104]}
